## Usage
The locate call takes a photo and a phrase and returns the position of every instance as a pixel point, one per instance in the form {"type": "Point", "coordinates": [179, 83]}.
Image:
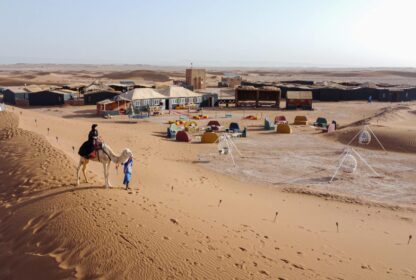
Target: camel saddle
{"type": "Point", "coordinates": [97, 146]}
{"type": "Point", "coordinates": [84, 150]}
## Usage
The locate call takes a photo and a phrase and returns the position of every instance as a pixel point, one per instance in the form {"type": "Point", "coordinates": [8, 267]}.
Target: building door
{"type": "Point", "coordinates": [199, 83]}
{"type": "Point", "coordinates": [167, 104]}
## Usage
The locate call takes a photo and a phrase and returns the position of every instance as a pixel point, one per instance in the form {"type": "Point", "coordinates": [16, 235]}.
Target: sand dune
{"type": "Point", "coordinates": [339, 73]}
{"type": "Point", "coordinates": [392, 139]}
{"type": "Point", "coordinates": [138, 74]}
{"type": "Point", "coordinates": [11, 82]}
{"type": "Point", "coordinates": [393, 126]}
{"type": "Point", "coordinates": [20, 74]}
{"type": "Point", "coordinates": [30, 167]}
{"type": "Point", "coordinates": [18, 78]}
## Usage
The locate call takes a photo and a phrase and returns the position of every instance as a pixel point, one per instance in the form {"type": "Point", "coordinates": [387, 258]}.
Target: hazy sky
{"type": "Point", "coordinates": [273, 33]}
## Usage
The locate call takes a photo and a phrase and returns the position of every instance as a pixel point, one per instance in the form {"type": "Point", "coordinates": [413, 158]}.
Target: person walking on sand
{"type": "Point", "coordinates": [128, 165]}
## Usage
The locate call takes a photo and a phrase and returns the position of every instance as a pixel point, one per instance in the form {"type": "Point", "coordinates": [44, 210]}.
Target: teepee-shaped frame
{"type": "Point", "coordinates": [367, 128]}
{"type": "Point", "coordinates": [351, 151]}
{"type": "Point", "coordinates": [229, 143]}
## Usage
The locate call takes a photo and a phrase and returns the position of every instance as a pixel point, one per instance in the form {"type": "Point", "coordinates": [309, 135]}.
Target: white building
{"type": "Point", "coordinates": [176, 95]}
{"type": "Point", "coordinates": [143, 98]}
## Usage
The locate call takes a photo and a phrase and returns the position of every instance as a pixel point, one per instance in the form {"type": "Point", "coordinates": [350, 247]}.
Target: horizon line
{"type": "Point", "coordinates": [213, 66]}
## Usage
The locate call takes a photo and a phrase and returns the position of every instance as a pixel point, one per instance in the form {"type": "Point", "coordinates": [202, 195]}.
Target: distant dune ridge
{"type": "Point", "coordinates": [60, 74]}
{"type": "Point", "coordinates": [141, 74]}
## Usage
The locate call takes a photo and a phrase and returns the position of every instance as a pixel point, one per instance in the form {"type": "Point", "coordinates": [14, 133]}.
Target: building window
{"type": "Point", "coordinates": [174, 101]}
{"type": "Point", "coordinates": [198, 99]}
{"type": "Point", "coordinates": [182, 100]}
{"type": "Point", "coordinates": [145, 102]}
{"type": "Point", "coordinates": [156, 102]}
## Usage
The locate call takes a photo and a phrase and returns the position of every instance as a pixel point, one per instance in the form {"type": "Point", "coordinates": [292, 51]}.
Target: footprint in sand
{"type": "Point", "coordinates": [366, 267]}
{"type": "Point", "coordinates": [264, 272]}
{"type": "Point", "coordinates": [174, 221]}
{"type": "Point", "coordinates": [298, 266]}
{"type": "Point", "coordinates": [240, 265]}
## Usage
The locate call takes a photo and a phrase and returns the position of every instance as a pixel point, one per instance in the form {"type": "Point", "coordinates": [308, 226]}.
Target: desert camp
{"type": "Point", "coordinates": [290, 150]}
{"type": "Point", "coordinates": [208, 140]}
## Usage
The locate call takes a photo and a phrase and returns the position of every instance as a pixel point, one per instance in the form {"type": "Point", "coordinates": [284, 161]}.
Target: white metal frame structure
{"type": "Point", "coordinates": [367, 129]}
{"type": "Point", "coordinates": [226, 145]}
{"type": "Point", "coordinates": [349, 151]}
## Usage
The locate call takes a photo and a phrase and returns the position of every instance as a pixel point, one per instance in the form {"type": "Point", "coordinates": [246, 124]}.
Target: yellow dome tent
{"type": "Point", "coordinates": [283, 128]}
{"type": "Point", "coordinates": [191, 123]}
{"type": "Point", "coordinates": [191, 127]}
{"type": "Point", "coordinates": [209, 137]}
{"type": "Point", "coordinates": [301, 120]}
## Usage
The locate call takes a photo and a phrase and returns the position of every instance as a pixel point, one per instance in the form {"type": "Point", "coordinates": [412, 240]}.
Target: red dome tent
{"type": "Point", "coordinates": [183, 136]}
{"type": "Point", "coordinates": [211, 123]}
{"type": "Point", "coordinates": [214, 125]}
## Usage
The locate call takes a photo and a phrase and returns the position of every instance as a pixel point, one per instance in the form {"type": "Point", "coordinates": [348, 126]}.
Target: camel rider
{"type": "Point", "coordinates": [92, 140]}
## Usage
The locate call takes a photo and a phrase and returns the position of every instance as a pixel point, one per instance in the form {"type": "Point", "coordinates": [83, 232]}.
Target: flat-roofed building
{"type": "Point", "coordinates": [50, 97]}
{"type": "Point", "coordinates": [180, 96]}
{"type": "Point", "coordinates": [16, 96]}
{"type": "Point", "coordinates": [144, 98]}
{"type": "Point", "coordinates": [92, 97]}
{"type": "Point", "coordinates": [299, 99]}
{"type": "Point", "coordinates": [117, 105]}
{"type": "Point", "coordinates": [230, 80]}
{"type": "Point", "coordinates": [196, 78]}
{"type": "Point", "coordinates": [250, 96]}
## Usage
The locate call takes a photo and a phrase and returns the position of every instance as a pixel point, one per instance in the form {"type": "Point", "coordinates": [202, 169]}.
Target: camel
{"type": "Point", "coordinates": [105, 156]}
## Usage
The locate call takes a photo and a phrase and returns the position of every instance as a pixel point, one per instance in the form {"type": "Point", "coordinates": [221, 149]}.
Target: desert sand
{"type": "Point", "coordinates": [191, 214]}
{"type": "Point", "coordinates": [62, 74]}
{"type": "Point", "coordinates": [190, 217]}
